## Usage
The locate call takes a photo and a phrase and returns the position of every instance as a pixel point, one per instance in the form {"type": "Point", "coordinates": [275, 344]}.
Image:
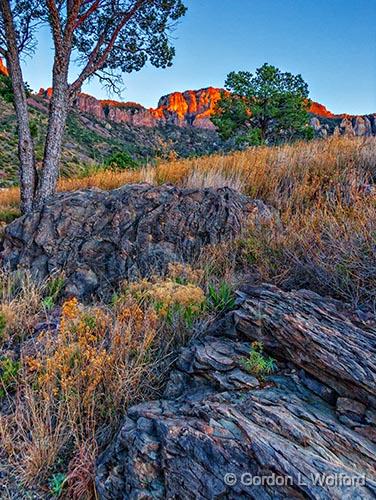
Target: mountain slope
{"type": "Point", "coordinates": [193, 108]}
{"type": "Point", "coordinates": [90, 139]}
{"type": "Point", "coordinates": [180, 125]}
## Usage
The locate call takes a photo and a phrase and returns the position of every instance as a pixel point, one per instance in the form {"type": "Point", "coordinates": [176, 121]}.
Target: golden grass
{"type": "Point", "coordinates": [321, 189]}
{"type": "Point", "coordinates": [300, 170]}
{"type": "Point", "coordinates": [72, 391]}
{"type": "Point", "coordinates": [75, 382]}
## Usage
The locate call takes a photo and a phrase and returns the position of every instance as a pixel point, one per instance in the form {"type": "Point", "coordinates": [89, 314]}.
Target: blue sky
{"type": "Point", "coordinates": [332, 43]}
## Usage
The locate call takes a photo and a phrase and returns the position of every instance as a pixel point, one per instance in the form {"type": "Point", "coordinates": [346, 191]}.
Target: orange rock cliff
{"type": "Point", "coordinates": [189, 108]}
{"type": "Point", "coordinates": [195, 107]}
{"type": "Point", "coordinates": [3, 68]}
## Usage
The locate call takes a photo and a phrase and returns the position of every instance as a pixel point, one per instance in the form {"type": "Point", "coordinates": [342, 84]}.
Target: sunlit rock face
{"type": "Point", "coordinates": [3, 68]}
{"type": "Point", "coordinates": [320, 110]}
{"type": "Point", "coordinates": [88, 104]}
{"type": "Point", "coordinates": [194, 108]}
{"type": "Point", "coordinates": [189, 108]}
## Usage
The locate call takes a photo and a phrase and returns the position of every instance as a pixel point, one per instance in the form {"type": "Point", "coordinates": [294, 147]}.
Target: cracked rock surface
{"type": "Point", "coordinates": [310, 426]}
{"type": "Point", "coordinates": [101, 237]}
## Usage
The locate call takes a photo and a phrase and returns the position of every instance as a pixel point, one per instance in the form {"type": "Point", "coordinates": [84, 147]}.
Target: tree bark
{"type": "Point", "coordinates": [59, 107]}
{"type": "Point", "coordinates": [28, 177]}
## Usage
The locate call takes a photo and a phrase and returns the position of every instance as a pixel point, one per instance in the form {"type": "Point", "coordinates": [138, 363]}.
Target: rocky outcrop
{"type": "Point", "coordinates": [355, 126]}
{"type": "Point", "coordinates": [194, 108]}
{"type": "Point", "coordinates": [100, 237]}
{"type": "Point", "coordinates": [219, 432]}
{"type": "Point", "coordinates": [320, 110]}
{"type": "Point", "coordinates": [311, 332]}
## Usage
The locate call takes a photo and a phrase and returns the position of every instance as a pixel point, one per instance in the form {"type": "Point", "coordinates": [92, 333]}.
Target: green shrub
{"type": "Point", "coordinates": [7, 215]}
{"type": "Point", "coordinates": [121, 160]}
{"type": "Point", "coordinates": [3, 324]}
{"type": "Point", "coordinates": [53, 289]}
{"type": "Point", "coordinates": [57, 483]}
{"type": "Point", "coordinates": [221, 298]}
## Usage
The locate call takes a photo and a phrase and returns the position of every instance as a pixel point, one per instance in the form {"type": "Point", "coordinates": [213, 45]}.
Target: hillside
{"type": "Point", "coordinates": [90, 140]}
{"type": "Point", "coordinates": [179, 126]}
{"type": "Point", "coordinates": [170, 272]}
{"type": "Point", "coordinates": [193, 109]}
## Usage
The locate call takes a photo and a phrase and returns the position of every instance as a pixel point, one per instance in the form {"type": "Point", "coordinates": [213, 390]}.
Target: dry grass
{"type": "Point", "coordinates": [74, 384]}
{"type": "Point", "coordinates": [300, 172]}
{"type": "Point", "coordinates": [325, 194]}
{"type": "Point", "coordinates": [75, 381]}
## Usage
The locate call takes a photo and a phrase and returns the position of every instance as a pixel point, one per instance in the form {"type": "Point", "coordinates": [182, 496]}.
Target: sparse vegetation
{"type": "Point", "coordinates": [323, 236]}
{"type": "Point", "coordinates": [99, 359]}
{"type": "Point", "coordinates": [257, 363]}
{"type": "Point", "coordinates": [71, 382]}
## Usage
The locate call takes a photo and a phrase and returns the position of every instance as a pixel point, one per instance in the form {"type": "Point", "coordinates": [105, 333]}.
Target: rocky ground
{"type": "Point", "coordinates": [99, 238]}
{"type": "Point", "coordinates": [308, 430]}
{"type": "Point", "coordinates": [223, 428]}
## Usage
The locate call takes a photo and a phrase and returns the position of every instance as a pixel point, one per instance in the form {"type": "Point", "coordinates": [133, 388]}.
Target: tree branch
{"type": "Point", "coordinates": [26, 34]}
{"type": "Point", "coordinates": [96, 60]}
{"type": "Point", "coordinates": [72, 15]}
{"type": "Point", "coordinates": [87, 14]}
{"type": "Point", "coordinates": [55, 25]}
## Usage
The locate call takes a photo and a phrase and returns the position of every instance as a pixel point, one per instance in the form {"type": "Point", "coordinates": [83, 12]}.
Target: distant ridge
{"type": "Point", "coordinates": [194, 108]}
{"type": "Point", "coordinates": [188, 108]}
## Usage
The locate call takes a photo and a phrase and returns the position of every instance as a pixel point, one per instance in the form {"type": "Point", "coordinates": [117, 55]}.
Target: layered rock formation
{"type": "Point", "coordinates": [193, 108]}
{"type": "Point", "coordinates": [361, 126]}
{"type": "Point", "coordinates": [100, 237]}
{"type": "Point", "coordinates": [183, 109]}
{"type": "Point", "coordinates": [308, 431]}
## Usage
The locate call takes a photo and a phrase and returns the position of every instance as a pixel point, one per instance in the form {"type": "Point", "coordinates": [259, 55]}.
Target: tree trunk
{"type": "Point", "coordinates": [27, 169]}
{"type": "Point", "coordinates": [59, 107]}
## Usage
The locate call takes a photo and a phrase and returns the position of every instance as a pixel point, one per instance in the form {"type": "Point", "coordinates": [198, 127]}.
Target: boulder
{"type": "Point", "coordinates": [219, 432]}
{"type": "Point", "coordinates": [101, 237]}
{"type": "Point", "coordinates": [316, 334]}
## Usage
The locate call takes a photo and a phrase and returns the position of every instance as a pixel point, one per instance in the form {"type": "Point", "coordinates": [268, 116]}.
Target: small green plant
{"type": "Point", "coordinates": [57, 483]}
{"type": "Point", "coordinates": [187, 313]}
{"type": "Point", "coordinates": [121, 160]}
{"type": "Point", "coordinates": [221, 298]}
{"type": "Point", "coordinates": [8, 373]}
{"type": "Point", "coordinates": [8, 215]}
{"type": "Point", "coordinates": [3, 324]}
{"type": "Point", "coordinates": [257, 363]}
{"type": "Point", "coordinates": [53, 289]}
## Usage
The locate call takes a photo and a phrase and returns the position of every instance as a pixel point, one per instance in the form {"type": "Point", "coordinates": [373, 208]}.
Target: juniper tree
{"type": "Point", "coordinates": [266, 107]}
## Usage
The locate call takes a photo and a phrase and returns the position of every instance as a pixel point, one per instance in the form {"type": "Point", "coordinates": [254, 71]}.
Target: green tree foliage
{"type": "Point", "coordinates": [6, 89]}
{"type": "Point", "coordinates": [263, 108]}
{"type": "Point", "coordinates": [121, 160]}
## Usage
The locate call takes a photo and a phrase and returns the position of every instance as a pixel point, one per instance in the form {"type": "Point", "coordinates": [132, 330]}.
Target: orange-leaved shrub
{"type": "Point", "coordinates": [76, 380]}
